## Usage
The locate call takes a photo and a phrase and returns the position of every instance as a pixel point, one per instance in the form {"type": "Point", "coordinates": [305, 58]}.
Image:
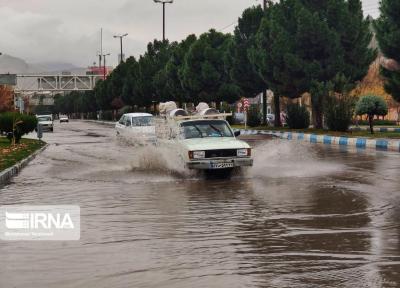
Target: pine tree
{"type": "Point", "coordinates": [129, 90]}
{"type": "Point", "coordinates": [241, 69]}
{"type": "Point", "coordinates": [346, 22]}
{"type": "Point", "coordinates": [274, 50]}
{"type": "Point", "coordinates": [356, 37]}
{"type": "Point", "coordinates": [173, 72]}
{"type": "Point", "coordinates": [320, 54]}
{"type": "Point", "coordinates": [388, 35]}
{"type": "Point", "coordinates": [204, 71]}
{"type": "Point", "coordinates": [150, 64]}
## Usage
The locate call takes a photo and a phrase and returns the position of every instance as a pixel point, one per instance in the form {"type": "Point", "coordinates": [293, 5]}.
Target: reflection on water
{"type": "Point", "coordinates": [300, 218]}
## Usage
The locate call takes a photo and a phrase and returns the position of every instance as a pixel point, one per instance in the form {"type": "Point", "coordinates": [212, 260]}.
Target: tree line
{"type": "Point", "coordinates": [292, 47]}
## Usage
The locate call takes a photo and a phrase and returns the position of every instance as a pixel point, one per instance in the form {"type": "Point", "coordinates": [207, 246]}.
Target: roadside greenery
{"type": "Point", "coordinates": [297, 117]}
{"type": "Point", "coordinates": [15, 125]}
{"type": "Point", "coordinates": [371, 106]}
{"type": "Point", "coordinates": [12, 154]}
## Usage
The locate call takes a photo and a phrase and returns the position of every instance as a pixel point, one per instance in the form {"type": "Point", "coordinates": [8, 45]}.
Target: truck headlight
{"type": "Point", "coordinates": [197, 154]}
{"type": "Point", "coordinates": [243, 152]}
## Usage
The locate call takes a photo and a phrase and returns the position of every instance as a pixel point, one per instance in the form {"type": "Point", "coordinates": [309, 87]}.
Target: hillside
{"type": "Point", "coordinates": [14, 65]}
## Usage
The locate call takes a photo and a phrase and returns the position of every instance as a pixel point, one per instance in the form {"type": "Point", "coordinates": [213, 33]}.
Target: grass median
{"type": "Point", "coordinates": [10, 155]}
{"type": "Point", "coordinates": [363, 134]}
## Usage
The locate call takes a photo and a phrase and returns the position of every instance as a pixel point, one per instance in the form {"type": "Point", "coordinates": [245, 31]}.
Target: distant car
{"type": "Point", "coordinates": [64, 118]}
{"type": "Point", "coordinates": [46, 121]}
{"type": "Point", "coordinates": [136, 127]}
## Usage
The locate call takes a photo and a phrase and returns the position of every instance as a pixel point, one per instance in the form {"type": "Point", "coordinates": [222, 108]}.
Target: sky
{"type": "Point", "coordinates": [69, 31]}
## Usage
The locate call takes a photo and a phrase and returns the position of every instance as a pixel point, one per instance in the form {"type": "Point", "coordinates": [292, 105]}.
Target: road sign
{"type": "Point", "coordinates": [246, 104]}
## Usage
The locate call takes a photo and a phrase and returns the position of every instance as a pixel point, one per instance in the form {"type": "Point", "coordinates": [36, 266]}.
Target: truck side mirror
{"type": "Point", "coordinates": [237, 133]}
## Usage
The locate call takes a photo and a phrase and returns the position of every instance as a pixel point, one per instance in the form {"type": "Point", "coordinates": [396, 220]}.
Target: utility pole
{"type": "Point", "coordinates": [163, 17]}
{"type": "Point", "coordinates": [264, 93]}
{"type": "Point", "coordinates": [163, 2]}
{"type": "Point", "coordinates": [100, 57]}
{"type": "Point", "coordinates": [101, 47]}
{"type": "Point", "coordinates": [104, 62]}
{"type": "Point", "coordinates": [120, 38]}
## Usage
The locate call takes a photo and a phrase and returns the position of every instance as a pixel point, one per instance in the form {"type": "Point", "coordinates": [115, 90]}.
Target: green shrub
{"type": "Point", "coordinates": [297, 117]}
{"type": "Point", "coordinates": [339, 113]}
{"type": "Point", "coordinates": [24, 124]}
{"type": "Point", "coordinates": [29, 123]}
{"type": "Point", "coordinates": [253, 116]}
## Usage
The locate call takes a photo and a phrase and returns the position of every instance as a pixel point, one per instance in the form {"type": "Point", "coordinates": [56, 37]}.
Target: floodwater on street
{"type": "Point", "coordinates": [304, 216]}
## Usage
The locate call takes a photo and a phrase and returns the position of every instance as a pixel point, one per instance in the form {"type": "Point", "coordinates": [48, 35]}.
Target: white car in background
{"type": "Point", "coordinates": [46, 122]}
{"type": "Point", "coordinates": [136, 128]}
{"type": "Point", "coordinates": [63, 118]}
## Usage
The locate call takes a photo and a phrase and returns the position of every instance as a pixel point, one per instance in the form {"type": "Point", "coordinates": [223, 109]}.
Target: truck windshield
{"type": "Point", "coordinates": [206, 128]}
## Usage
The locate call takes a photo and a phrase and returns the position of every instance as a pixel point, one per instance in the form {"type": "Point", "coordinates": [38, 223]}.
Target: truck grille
{"type": "Point", "coordinates": [221, 153]}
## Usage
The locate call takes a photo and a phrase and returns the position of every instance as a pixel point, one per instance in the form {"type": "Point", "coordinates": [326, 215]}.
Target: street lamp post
{"type": "Point", "coordinates": [120, 38]}
{"type": "Point", "coordinates": [163, 2]}
{"type": "Point", "coordinates": [104, 62]}
{"type": "Point", "coordinates": [100, 57]}
{"type": "Point", "coordinates": [264, 94]}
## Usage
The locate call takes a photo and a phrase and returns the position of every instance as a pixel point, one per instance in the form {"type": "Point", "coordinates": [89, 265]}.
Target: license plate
{"type": "Point", "coordinates": [222, 165]}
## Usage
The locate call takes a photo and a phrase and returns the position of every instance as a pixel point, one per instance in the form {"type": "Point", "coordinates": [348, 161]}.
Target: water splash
{"type": "Point", "coordinates": [290, 159]}
{"type": "Point", "coordinates": [160, 159]}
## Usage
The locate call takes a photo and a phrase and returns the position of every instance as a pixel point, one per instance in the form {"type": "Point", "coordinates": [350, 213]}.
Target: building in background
{"type": "Point", "coordinates": [96, 70]}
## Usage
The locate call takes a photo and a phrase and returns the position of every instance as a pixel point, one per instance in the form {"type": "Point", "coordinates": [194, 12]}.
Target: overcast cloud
{"type": "Point", "coordinates": [69, 31]}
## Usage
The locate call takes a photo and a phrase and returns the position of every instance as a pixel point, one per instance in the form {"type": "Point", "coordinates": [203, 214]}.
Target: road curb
{"type": "Point", "coordinates": [9, 173]}
{"type": "Point", "coordinates": [343, 141]}
{"type": "Point", "coordinates": [376, 129]}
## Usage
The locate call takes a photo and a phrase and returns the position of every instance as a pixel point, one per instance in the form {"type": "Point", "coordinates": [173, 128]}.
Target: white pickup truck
{"type": "Point", "coordinates": [209, 143]}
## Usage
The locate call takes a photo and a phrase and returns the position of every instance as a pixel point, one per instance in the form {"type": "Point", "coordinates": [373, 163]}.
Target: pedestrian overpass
{"type": "Point", "coordinates": [26, 83]}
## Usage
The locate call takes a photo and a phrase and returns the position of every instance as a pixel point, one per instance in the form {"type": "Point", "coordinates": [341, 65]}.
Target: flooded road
{"type": "Point", "coordinates": [301, 217]}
